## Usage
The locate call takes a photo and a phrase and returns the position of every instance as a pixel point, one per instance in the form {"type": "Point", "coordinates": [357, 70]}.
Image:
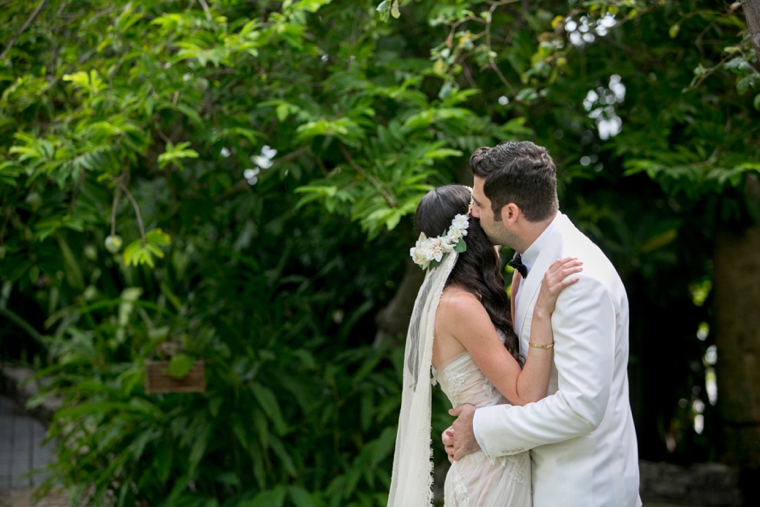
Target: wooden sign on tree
{"type": "Point", "coordinates": [180, 375]}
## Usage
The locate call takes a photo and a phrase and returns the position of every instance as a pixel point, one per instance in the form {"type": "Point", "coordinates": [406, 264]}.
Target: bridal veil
{"type": "Point", "coordinates": [412, 479]}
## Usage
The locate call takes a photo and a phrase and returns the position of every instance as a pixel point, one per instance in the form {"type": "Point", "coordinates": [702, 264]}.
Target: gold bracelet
{"type": "Point", "coordinates": [538, 346]}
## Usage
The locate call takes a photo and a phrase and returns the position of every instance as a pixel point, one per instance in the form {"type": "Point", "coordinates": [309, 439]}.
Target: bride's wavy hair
{"type": "Point", "coordinates": [477, 269]}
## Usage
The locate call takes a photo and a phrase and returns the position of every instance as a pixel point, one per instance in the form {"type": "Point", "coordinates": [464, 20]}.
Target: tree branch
{"type": "Point", "coordinates": [244, 185]}
{"type": "Point", "coordinates": [490, 51]}
{"type": "Point", "coordinates": [113, 209]}
{"type": "Point", "coordinates": [240, 185]}
{"type": "Point", "coordinates": [21, 30]}
{"type": "Point", "coordinates": [136, 208]}
{"type": "Point", "coordinates": [161, 132]}
{"type": "Point", "coordinates": [707, 73]}
{"type": "Point", "coordinates": [13, 317]}
{"type": "Point", "coordinates": [292, 155]}
{"type": "Point", "coordinates": [74, 191]}
{"type": "Point", "coordinates": [752, 15]}
{"type": "Point", "coordinates": [8, 212]}
{"type": "Point", "coordinates": [356, 167]}
{"type": "Point", "coordinates": [487, 33]}
{"type": "Point", "coordinates": [206, 9]}
{"type": "Point", "coordinates": [55, 80]}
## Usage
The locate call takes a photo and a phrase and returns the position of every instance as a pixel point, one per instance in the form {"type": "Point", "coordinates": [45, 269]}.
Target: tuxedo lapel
{"type": "Point", "coordinates": [530, 286]}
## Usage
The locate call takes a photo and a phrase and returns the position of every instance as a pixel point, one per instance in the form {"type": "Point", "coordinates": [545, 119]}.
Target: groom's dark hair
{"type": "Point", "coordinates": [518, 172]}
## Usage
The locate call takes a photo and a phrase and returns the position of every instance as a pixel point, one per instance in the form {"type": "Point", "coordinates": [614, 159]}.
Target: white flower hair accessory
{"type": "Point", "coordinates": [428, 252]}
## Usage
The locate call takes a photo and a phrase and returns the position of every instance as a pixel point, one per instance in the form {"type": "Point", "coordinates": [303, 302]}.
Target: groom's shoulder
{"type": "Point", "coordinates": [596, 264]}
{"type": "Point", "coordinates": [580, 246]}
{"type": "Point", "coordinates": [575, 243]}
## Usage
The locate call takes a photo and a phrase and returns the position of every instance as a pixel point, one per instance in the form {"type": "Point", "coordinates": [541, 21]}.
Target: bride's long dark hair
{"type": "Point", "coordinates": [477, 270]}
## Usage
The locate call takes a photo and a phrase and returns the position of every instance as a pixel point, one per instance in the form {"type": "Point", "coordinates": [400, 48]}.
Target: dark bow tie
{"type": "Point", "coordinates": [516, 263]}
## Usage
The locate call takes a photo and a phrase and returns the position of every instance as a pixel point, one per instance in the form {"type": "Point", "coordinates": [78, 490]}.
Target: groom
{"type": "Point", "coordinates": [581, 435]}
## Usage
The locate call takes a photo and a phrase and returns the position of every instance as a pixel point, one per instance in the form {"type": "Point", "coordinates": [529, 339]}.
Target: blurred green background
{"type": "Point", "coordinates": [235, 180]}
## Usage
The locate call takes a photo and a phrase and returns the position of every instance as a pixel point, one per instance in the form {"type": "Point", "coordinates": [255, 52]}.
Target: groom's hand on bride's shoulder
{"type": "Point", "coordinates": [463, 436]}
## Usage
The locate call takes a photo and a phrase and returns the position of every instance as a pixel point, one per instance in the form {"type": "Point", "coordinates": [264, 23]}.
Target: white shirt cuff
{"type": "Point", "coordinates": [475, 431]}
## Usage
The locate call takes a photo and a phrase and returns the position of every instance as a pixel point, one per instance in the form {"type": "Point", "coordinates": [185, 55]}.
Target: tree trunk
{"type": "Point", "coordinates": [737, 319]}
{"type": "Point", "coordinates": [394, 318]}
{"type": "Point", "coordinates": [736, 280]}
{"type": "Point", "coordinates": [752, 14]}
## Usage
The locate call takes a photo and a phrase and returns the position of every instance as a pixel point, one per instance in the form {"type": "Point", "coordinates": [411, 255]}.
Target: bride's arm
{"type": "Point", "coordinates": [465, 318]}
{"type": "Point", "coordinates": [533, 381]}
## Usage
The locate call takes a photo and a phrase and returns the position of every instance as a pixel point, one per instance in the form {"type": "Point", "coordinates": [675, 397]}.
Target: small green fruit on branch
{"type": "Point", "coordinates": [113, 243]}
{"type": "Point", "coordinates": [140, 251]}
{"type": "Point", "coordinates": [34, 200]}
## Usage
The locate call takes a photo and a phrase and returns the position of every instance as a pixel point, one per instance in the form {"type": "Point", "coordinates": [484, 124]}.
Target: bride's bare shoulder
{"type": "Point", "coordinates": [457, 301]}
{"type": "Point", "coordinates": [455, 310]}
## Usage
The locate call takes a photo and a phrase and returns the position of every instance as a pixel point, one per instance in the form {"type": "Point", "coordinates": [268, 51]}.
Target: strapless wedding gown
{"type": "Point", "coordinates": [476, 480]}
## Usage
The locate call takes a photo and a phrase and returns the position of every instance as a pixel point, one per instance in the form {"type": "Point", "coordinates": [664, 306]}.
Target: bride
{"type": "Point", "coordinates": [461, 327]}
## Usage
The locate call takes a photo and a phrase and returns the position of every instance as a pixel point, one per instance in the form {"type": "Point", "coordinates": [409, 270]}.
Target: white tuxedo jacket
{"type": "Point", "coordinates": [581, 436]}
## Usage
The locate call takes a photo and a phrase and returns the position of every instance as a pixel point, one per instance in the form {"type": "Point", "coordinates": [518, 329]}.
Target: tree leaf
{"type": "Point", "coordinates": [180, 365]}
{"type": "Point", "coordinates": [274, 497]}
{"type": "Point", "coordinates": [174, 154]}
{"type": "Point", "coordinates": [268, 401]}
{"type": "Point", "coordinates": [300, 497]}
{"type": "Point", "coordinates": [659, 240]}
{"type": "Point", "coordinates": [198, 450]}
{"type": "Point", "coordinates": [395, 9]}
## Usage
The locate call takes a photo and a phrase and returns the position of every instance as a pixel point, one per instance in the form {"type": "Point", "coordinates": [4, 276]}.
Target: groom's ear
{"type": "Point", "coordinates": [509, 213]}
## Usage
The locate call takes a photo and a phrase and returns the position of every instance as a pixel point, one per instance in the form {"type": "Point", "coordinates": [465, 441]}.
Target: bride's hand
{"type": "Point", "coordinates": [556, 279]}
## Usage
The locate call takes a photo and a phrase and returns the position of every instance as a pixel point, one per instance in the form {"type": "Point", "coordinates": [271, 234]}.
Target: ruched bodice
{"type": "Point", "coordinates": [476, 480]}
{"type": "Point", "coordinates": [463, 382]}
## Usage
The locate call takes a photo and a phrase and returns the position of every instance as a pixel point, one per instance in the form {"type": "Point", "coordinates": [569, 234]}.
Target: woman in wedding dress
{"type": "Point", "coordinates": [461, 330]}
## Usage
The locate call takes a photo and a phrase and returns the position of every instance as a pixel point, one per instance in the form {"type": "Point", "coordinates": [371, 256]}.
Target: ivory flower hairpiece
{"type": "Point", "coordinates": [428, 252]}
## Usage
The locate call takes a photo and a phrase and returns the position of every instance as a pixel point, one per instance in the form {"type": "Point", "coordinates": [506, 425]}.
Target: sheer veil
{"type": "Point", "coordinates": [412, 479]}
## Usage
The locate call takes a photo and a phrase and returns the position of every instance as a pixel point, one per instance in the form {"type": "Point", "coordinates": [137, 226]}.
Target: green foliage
{"type": "Point", "coordinates": [142, 251]}
{"type": "Point", "coordinates": [280, 418]}
{"type": "Point", "coordinates": [274, 152]}
{"type": "Point", "coordinates": [174, 154]}
{"type": "Point", "coordinates": [180, 365]}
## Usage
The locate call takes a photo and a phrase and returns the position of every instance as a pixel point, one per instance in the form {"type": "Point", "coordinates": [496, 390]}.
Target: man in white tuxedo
{"type": "Point", "coordinates": [581, 435]}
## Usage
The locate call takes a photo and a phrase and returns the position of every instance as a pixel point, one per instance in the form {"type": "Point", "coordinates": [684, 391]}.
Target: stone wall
{"type": "Point", "coordinates": [700, 485]}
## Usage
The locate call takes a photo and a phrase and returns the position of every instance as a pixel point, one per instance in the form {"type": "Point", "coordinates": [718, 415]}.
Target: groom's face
{"type": "Point", "coordinates": [481, 209]}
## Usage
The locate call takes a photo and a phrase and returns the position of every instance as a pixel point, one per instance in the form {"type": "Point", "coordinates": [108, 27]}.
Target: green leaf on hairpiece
{"type": "Point", "coordinates": [461, 247]}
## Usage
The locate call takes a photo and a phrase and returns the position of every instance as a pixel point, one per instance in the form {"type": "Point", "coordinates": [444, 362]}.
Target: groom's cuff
{"type": "Point", "coordinates": [475, 431]}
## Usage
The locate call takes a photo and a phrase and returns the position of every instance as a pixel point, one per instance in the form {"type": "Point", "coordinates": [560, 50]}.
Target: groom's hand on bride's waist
{"type": "Point", "coordinates": [448, 442]}
{"type": "Point", "coordinates": [463, 437]}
